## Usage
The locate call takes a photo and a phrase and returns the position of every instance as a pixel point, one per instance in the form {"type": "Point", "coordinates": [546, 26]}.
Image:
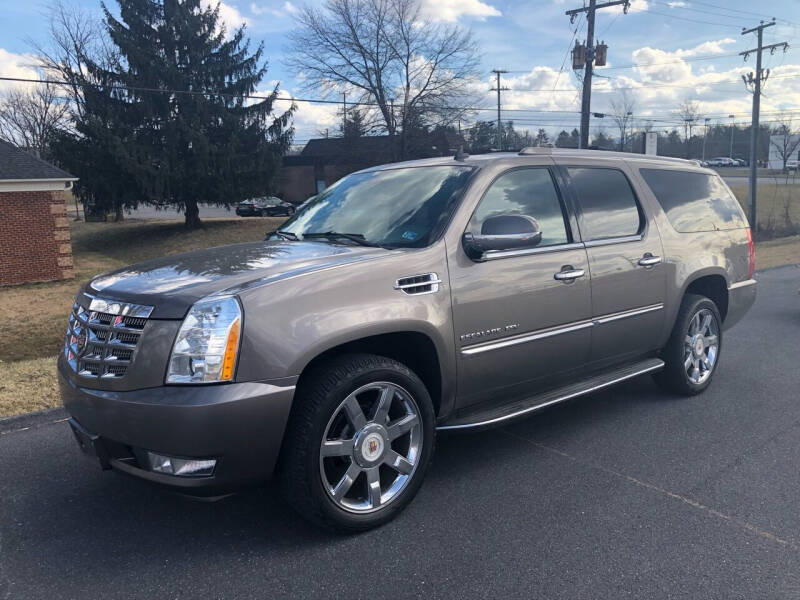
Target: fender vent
{"type": "Point", "coordinates": [419, 284]}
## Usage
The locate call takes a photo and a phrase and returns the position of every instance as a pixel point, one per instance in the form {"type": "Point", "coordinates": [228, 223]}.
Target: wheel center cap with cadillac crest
{"type": "Point", "coordinates": [370, 445]}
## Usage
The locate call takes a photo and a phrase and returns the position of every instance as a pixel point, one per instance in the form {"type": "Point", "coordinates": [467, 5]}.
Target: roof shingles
{"type": "Point", "coordinates": [16, 164]}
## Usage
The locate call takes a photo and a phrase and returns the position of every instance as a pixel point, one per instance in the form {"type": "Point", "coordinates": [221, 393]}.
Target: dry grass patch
{"type": "Point", "coordinates": [28, 385]}
{"type": "Point", "coordinates": [778, 206]}
{"type": "Point", "coordinates": [774, 253]}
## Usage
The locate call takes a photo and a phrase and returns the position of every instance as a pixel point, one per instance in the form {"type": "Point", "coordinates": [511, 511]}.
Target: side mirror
{"type": "Point", "coordinates": [502, 232]}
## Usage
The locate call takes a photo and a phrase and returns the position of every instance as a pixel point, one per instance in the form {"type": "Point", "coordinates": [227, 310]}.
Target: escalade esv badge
{"type": "Point", "coordinates": [487, 332]}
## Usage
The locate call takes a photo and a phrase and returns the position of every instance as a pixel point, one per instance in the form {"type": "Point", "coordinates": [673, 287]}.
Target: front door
{"type": "Point", "coordinates": [522, 318]}
{"type": "Point", "coordinates": [625, 260]}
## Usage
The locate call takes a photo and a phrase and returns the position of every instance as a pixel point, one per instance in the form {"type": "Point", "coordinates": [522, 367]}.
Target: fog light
{"type": "Point", "coordinates": [180, 466]}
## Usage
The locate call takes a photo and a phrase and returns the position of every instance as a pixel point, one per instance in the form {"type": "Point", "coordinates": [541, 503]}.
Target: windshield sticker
{"type": "Point", "coordinates": [410, 235]}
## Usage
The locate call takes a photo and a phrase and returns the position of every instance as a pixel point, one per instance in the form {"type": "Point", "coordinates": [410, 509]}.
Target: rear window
{"type": "Point", "coordinates": [694, 201]}
{"type": "Point", "coordinates": [607, 202]}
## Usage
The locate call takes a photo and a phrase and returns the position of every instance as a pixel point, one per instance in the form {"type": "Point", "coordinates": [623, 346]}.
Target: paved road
{"type": "Point", "coordinates": [627, 493]}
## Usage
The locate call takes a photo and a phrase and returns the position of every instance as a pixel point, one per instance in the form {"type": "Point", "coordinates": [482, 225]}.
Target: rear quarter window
{"type": "Point", "coordinates": [694, 202]}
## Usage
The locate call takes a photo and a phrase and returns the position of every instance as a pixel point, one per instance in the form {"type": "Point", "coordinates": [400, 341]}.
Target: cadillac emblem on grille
{"type": "Point", "coordinates": [102, 336]}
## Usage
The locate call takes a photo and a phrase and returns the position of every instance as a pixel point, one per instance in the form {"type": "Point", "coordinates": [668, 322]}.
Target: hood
{"type": "Point", "coordinates": [173, 283]}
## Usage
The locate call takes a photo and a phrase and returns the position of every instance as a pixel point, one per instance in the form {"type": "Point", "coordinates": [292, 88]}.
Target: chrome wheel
{"type": "Point", "coordinates": [371, 447]}
{"type": "Point", "coordinates": [701, 346]}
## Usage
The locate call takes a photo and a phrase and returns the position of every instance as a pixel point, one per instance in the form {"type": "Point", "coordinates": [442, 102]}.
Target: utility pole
{"type": "Point", "coordinates": [586, 99]}
{"type": "Point", "coordinates": [344, 112]}
{"type": "Point", "coordinates": [705, 135]}
{"type": "Point", "coordinates": [731, 117]}
{"type": "Point", "coordinates": [755, 81]}
{"type": "Point", "coordinates": [499, 89]}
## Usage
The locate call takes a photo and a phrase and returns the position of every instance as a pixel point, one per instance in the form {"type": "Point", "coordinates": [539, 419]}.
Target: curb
{"type": "Point", "coordinates": [34, 419]}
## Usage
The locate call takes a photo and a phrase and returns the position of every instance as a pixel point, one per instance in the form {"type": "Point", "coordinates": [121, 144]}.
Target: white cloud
{"type": "Point", "coordinates": [636, 6]}
{"type": "Point", "coordinates": [677, 4]}
{"type": "Point", "coordinates": [452, 10]}
{"type": "Point", "coordinates": [228, 14]}
{"type": "Point", "coordinates": [288, 9]}
{"type": "Point", "coordinates": [18, 66]}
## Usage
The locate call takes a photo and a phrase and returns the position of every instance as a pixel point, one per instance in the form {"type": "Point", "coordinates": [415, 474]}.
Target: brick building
{"type": "Point", "coordinates": [34, 228]}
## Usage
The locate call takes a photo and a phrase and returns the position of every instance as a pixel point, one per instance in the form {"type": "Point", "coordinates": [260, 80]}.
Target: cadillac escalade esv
{"type": "Point", "coordinates": [436, 295]}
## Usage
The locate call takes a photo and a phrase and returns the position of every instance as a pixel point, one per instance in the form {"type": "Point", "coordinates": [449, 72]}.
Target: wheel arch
{"type": "Point", "coordinates": [713, 285]}
{"type": "Point", "coordinates": [414, 348]}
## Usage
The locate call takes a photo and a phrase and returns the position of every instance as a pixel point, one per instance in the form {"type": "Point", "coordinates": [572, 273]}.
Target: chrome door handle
{"type": "Point", "coordinates": [569, 274]}
{"type": "Point", "coordinates": [648, 260]}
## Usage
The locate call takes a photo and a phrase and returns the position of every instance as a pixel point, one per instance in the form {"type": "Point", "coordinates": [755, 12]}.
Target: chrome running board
{"type": "Point", "coordinates": [499, 414]}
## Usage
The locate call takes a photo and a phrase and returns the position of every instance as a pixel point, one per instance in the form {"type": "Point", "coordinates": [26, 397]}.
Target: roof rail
{"type": "Point", "coordinates": [533, 150]}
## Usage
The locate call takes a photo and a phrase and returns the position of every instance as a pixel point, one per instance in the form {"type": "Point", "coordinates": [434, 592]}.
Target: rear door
{"type": "Point", "coordinates": [625, 261]}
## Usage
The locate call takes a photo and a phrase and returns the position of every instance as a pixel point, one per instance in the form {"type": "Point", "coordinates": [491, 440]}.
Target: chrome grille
{"type": "Point", "coordinates": [101, 340]}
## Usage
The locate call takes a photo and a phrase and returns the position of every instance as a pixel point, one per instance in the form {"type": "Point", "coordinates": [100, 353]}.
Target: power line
{"type": "Point", "coordinates": [669, 16]}
{"type": "Point", "coordinates": [737, 10]}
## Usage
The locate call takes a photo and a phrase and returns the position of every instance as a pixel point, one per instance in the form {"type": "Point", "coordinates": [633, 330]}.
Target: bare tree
{"type": "Point", "coordinates": [30, 116]}
{"type": "Point", "coordinates": [622, 108]}
{"type": "Point", "coordinates": [688, 111]}
{"type": "Point", "coordinates": [785, 138]}
{"type": "Point", "coordinates": [411, 69]}
{"type": "Point", "coordinates": [75, 38]}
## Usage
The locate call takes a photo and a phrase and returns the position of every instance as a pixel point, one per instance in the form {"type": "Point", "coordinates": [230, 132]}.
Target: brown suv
{"type": "Point", "coordinates": [443, 294]}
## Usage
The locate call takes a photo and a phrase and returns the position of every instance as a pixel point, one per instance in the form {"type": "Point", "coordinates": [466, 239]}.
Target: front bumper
{"type": "Point", "coordinates": [241, 425]}
{"type": "Point", "coordinates": [741, 297]}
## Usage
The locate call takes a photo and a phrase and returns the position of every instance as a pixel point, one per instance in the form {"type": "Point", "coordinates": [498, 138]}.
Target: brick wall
{"type": "Point", "coordinates": [34, 237]}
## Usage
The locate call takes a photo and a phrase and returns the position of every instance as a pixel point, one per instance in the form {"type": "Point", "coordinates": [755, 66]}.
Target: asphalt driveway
{"type": "Point", "coordinates": [626, 493]}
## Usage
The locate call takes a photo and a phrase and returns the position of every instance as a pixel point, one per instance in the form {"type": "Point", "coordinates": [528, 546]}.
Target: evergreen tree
{"type": "Point", "coordinates": [354, 125]}
{"type": "Point", "coordinates": [202, 141]}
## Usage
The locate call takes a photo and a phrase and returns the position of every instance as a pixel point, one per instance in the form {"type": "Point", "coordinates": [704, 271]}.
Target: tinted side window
{"type": "Point", "coordinates": [528, 192]}
{"type": "Point", "coordinates": [607, 202]}
{"type": "Point", "coordinates": [694, 201]}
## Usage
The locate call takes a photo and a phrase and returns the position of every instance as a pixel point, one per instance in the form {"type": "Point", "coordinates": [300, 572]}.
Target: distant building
{"type": "Point", "coordinates": [780, 145]}
{"type": "Point", "coordinates": [324, 161]}
{"type": "Point", "coordinates": [34, 229]}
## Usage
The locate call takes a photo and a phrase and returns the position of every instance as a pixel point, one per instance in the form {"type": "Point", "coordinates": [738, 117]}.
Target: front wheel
{"type": "Point", "coordinates": [358, 444]}
{"type": "Point", "coordinates": [692, 352]}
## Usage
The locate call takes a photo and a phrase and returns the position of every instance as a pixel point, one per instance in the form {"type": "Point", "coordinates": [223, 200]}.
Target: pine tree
{"type": "Point", "coordinates": [183, 130]}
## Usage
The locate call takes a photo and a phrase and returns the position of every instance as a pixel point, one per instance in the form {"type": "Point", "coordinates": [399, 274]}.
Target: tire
{"type": "Point", "coordinates": [689, 366]}
{"type": "Point", "coordinates": [372, 465]}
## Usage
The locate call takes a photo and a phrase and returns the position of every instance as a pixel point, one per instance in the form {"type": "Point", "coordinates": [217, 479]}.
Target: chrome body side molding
{"type": "Point", "coordinates": [552, 331]}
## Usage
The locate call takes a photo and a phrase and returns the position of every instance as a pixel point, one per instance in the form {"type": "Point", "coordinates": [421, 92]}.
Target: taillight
{"type": "Point", "coordinates": [752, 249]}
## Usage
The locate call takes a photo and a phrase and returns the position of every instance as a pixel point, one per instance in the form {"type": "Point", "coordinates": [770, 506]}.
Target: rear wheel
{"type": "Point", "coordinates": [692, 352]}
{"type": "Point", "coordinates": [358, 443]}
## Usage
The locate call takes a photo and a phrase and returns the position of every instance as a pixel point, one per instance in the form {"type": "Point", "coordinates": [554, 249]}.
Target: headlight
{"type": "Point", "coordinates": [207, 343]}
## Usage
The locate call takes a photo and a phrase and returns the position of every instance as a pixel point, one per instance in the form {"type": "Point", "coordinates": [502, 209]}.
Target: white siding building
{"type": "Point", "coordinates": [780, 145]}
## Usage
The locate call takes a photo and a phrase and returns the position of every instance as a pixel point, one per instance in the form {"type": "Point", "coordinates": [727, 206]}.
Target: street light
{"type": "Point", "coordinates": [705, 133]}
{"type": "Point", "coordinates": [731, 117]}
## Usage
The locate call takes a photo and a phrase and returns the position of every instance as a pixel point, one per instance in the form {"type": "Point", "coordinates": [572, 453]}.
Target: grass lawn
{"type": "Point", "coordinates": [33, 317]}
{"type": "Point", "coordinates": [772, 201]}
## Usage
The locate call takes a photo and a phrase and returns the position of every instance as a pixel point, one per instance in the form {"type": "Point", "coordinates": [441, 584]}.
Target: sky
{"type": "Point", "coordinates": [661, 53]}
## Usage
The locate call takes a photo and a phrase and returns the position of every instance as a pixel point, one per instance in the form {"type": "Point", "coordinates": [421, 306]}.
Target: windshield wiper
{"type": "Point", "coordinates": [287, 235]}
{"type": "Point", "coordinates": [358, 238]}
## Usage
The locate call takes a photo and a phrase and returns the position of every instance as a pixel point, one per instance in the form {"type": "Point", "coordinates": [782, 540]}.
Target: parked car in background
{"type": "Point", "coordinates": [269, 206]}
{"type": "Point", "coordinates": [441, 294]}
{"type": "Point", "coordinates": [248, 208]}
{"type": "Point", "coordinates": [721, 161]}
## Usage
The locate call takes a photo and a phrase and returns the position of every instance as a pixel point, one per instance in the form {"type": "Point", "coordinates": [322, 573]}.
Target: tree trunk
{"type": "Point", "coordinates": [119, 214]}
{"type": "Point", "coordinates": [192, 214]}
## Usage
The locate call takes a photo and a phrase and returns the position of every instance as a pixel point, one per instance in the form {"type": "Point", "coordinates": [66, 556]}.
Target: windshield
{"type": "Point", "coordinates": [405, 207]}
